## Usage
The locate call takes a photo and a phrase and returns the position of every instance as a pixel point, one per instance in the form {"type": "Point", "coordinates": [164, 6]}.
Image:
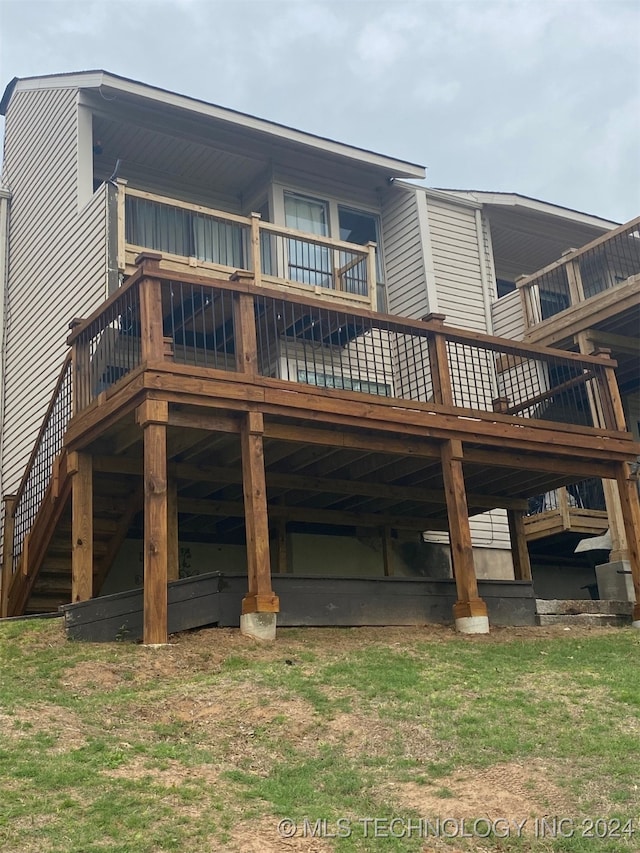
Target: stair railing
{"type": "Point", "coordinates": [38, 473]}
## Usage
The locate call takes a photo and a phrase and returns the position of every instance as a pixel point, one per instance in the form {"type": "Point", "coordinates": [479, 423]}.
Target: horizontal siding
{"type": "Point", "coordinates": [508, 319]}
{"type": "Point", "coordinates": [403, 252]}
{"type": "Point", "coordinates": [456, 264]}
{"type": "Point", "coordinates": [57, 261]}
{"type": "Point", "coordinates": [488, 530]}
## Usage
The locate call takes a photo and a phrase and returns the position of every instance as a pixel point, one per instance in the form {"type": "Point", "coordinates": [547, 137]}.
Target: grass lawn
{"type": "Point", "coordinates": [402, 739]}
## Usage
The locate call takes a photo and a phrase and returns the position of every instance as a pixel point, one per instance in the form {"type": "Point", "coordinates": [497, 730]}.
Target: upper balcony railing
{"type": "Point", "coordinates": [190, 235]}
{"type": "Point", "coordinates": [608, 262]}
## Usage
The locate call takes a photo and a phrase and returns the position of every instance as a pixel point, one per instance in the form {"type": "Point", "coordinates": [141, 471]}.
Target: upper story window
{"type": "Point", "coordinates": [312, 264]}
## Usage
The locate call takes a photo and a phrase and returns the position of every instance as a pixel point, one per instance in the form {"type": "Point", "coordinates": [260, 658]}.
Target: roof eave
{"type": "Point", "coordinates": [106, 81]}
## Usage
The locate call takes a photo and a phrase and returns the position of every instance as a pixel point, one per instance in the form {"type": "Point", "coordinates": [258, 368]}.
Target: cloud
{"type": "Point", "coordinates": [537, 97]}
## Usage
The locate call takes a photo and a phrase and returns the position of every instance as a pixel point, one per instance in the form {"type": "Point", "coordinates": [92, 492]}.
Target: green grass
{"type": "Point", "coordinates": [208, 744]}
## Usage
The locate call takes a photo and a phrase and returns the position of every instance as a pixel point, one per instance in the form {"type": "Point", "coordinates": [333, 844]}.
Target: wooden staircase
{"type": "Point", "coordinates": [51, 586]}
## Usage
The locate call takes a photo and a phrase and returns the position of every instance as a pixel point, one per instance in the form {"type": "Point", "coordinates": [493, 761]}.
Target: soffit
{"type": "Point", "coordinates": [524, 241]}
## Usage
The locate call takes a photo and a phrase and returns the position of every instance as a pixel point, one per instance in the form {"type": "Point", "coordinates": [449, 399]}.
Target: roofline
{"type": "Point", "coordinates": [502, 199]}
{"type": "Point", "coordinates": [97, 79]}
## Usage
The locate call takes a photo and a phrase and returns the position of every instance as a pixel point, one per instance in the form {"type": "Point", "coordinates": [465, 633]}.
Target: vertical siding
{"type": "Point", "coordinates": [57, 260]}
{"type": "Point", "coordinates": [403, 253]}
{"type": "Point", "coordinates": [508, 319]}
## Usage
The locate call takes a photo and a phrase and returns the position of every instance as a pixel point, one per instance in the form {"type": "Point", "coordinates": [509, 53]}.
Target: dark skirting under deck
{"type": "Point", "coordinates": [215, 599]}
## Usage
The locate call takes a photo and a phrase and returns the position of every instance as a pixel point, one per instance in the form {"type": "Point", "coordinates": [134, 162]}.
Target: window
{"type": "Point", "coordinates": [360, 228]}
{"type": "Point", "coordinates": [344, 383]}
{"type": "Point", "coordinates": [504, 287]}
{"type": "Point", "coordinates": [307, 262]}
{"type": "Point", "coordinates": [182, 232]}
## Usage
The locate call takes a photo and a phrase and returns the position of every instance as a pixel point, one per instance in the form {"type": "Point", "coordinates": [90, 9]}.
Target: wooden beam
{"type": "Point", "coordinates": [630, 504]}
{"type": "Point", "coordinates": [82, 530]}
{"type": "Point", "coordinates": [617, 343]}
{"type": "Point", "coordinates": [131, 508]}
{"type": "Point", "coordinates": [311, 515]}
{"type": "Point", "coordinates": [155, 534]}
{"type": "Point", "coordinates": [7, 553]}
{"type": "Point", "coordinates": [609, 303]}
{"type": "Point", "coordinates": [519, 550]}
{"type": "Point", "coordinates": [260, 597]}
{"type": "Point", "coordinates": [469, 603]}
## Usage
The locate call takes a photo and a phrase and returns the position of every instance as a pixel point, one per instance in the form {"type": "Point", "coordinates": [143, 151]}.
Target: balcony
{"type": "Point", "coordinates": [216, 243]}
{"type": "Point", "coordinates": [595, 287]}
{"type": "Point", "coordinates": [351, 418]}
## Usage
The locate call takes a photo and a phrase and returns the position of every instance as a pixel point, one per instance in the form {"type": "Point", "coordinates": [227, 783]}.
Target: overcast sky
{"type": "Point", "coordinates": [540, 98]}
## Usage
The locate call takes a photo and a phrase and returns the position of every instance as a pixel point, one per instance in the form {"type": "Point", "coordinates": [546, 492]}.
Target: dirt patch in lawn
{"type": "Point", "coordinates": [513, 791]}
{"type": "Point", "coordinates": [61, 724]}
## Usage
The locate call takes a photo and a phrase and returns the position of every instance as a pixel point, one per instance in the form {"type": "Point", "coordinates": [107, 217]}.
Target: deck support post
{"type": "Point", "coordinates": [7, 553]}
{"type": "Point", "coordinates": [630, 504]}
{"type": "Point", "coordinates": [606, 410]}
{"type": "Point", "coordinates": [153, 415]}
{"type": "Point", "coordinates": [469, 611]}
{"type": "Point", "coordinates": [81, 466]}
{"type": "Point", "coordinates": [260, 605]}
{"type": "Point", "coordinates": [519, 550]}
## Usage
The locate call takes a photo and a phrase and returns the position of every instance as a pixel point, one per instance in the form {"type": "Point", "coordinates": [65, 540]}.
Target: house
{"type": "Point", "coordinates": [225, 347]}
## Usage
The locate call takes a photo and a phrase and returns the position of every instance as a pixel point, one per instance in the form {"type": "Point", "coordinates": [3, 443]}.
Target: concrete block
{"type": "Point", "coordinates": [472, 625]}
{"type": "Point", "coordinates": [260, 626]}
{"type": "Point", "coordinates": [615, 581]}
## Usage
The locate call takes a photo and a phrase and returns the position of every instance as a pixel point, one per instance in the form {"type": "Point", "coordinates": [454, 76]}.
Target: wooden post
{"type": "Point", "coordinates": [439, 363]}
{"type": "Point", "coordinates": [519, 550]}
{"type": "Point", "coordinates": [7, 553]}
{"type": "Point", "coordinates": [80, 371]}
{"type": "Point", "coordinates": [574, 280]}
{"type": "Point", "coordinates": [173, 542]}
{"type": "Point", "coordinates": [153, 416]}
{"type": "Point", "coordinates": [562, 497]}
{"type": "Point", "coordinates": [607, 412]}
{"type": "Point", "coordinates": [244, 321]}
{"type": "Point", "coordinates": [372, 274]}
{"type": "Point", "coordinates": [260, 597]}
{"type": "Point", "coordinates": [121, 251]}
{"type": "Point", "coordinates": [81, 526]}
{"type": "Point", "coordinates": [152, 344]}
{"type": "Point", "coordinates": [630, 504]}
{"type": "Point", "coordinates": [256, 257]}
{"type": "Point", "coordinates": [469, 611]}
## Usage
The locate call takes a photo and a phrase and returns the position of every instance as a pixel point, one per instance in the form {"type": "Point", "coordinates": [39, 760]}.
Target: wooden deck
{"type": "Point", "coordinates": [203, 407]}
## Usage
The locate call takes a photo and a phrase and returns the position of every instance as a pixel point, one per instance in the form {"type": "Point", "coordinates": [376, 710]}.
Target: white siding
{"type": "Point", "coordinates": [57, 260]}
{"type": "Point", "coordinates": [508, 319]}
{"type": "Point", "coordinates": [403, 254]}
{"type": "Point", "coordinates": [456, 263]}
{"type": "Point", "coordinates": [457, 258]}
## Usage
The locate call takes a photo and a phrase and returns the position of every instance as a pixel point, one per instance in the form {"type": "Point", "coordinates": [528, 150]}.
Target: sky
{"type": "Point", "coordinates": [540, 98]}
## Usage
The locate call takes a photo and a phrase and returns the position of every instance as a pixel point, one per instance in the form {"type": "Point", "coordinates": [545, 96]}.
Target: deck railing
{"type": "Point", "coordinates": [38, 472]}
{"type": "Point", "coordinates": [605, 263]}
{"type": "Point", "coordinates": [303, 340]}
{"type": "Point", "coordinates": [268, 335]}
{"type": "Point", "coordinates": [210, 239]}
{"type": "Point", "coordinates": [586, 494]}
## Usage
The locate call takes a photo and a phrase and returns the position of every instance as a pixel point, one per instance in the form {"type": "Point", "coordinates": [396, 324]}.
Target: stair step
{"type": "Point", "coordinates": [46, 604]}
{"type": "Point", "coordinates": [573, 607]}
{"type": "Point", "coordinates": [592, 620]}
